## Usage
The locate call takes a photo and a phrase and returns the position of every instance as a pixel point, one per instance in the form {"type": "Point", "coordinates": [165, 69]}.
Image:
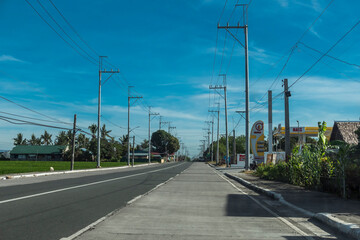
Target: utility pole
{"type": "Point", "coordinates": [270, 138]}
{"type": "Point", "coordinates": [212, 138]}
{"type": "Point", "coordinates": [287, 94]}
{"type": "Point", "coordinates": [150, 114]}
{"type": "Point", "coordinates": [129, 100]}
{"type": "Point", "coordinates": [99, 105]}
{"type": "Point", "coordinates": [73, 145]}
{"type": "Point", "coordinates": [203, 146]}
{"type": "Point", "coordinates": [133, 152]}
{"type": "Point", "coordinates": [234, 146]}
{"type": "Point", "coordinates": [226, 120]}
{"type": "Point", "coordinates": [218, 131]}
{"type": "Point", "coordinates": [170, 127]}
{"type": "Point", "coordinates": [160, 123]}
{"type": "Point", "coordinates": [245, 27]}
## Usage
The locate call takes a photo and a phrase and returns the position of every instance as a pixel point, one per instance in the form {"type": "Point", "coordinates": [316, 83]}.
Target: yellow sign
{"type": "Point", "coordinates": [257, 142]}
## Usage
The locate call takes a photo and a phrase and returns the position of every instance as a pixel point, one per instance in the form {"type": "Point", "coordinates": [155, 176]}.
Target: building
{"type": "Point", "coordinates": [38, 153]}
{"type": "Point", "coordinates": [345, 131]}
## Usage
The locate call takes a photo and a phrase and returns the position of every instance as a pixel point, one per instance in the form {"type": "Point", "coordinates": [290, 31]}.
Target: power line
{"type": "Point", "coordinates": [47, 12]}
{"type": "Point", "coordinates": [87, 58]}
{"type": "Point", "coordinates": [335, 58]}
{"type": "Point", "coordinates": [21, 122]}
{"type": "Point", "coordinates": [331, 48]}
{"type": "Point", "coordinates": [6, 99]}
{"type": "Point", "coordinates": [73, 29]}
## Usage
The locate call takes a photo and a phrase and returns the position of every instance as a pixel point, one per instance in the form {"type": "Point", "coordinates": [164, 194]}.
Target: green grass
{"type": "Point", "coordinates": [8, 167]}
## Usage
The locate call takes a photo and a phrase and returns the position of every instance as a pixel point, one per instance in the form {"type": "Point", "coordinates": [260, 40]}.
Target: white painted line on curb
{"type": "Point", "coordinates": [84, 185]}
{"type": "Point", "coordinates": [92, 225]}
{"type": "Point", "coordinates": [302, 233]}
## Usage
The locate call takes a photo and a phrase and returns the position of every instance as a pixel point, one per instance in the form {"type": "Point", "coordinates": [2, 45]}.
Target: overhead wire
{"type": "Point", "coordinates": [84, 56]}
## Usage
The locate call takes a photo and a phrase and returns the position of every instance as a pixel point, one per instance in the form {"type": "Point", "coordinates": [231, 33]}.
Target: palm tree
{"type": "Point", "coordinates": [93, 129]}
{"type": "Point", "coordinates": [34, 140]}
{"type": "Point", "coordinates": [104, 132]}
{"type": "Point", "coordinates": [83, 141]}
{"type": "Point", "coordinates": [62, 139]}
{"type": "Point", "coordinates": [19, 140]}
{"type": "Point", "coordinates": [46, 138]}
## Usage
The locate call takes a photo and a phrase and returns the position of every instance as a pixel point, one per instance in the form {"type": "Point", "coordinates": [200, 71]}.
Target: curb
{"type": "Point", "coordinates": [350, 229]}
{"type": "Point", "coordinates": [8, 177]}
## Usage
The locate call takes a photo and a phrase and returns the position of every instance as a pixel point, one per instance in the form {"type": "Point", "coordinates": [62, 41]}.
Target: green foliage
{"type": "Point", "coordinates": [315, 166]}
{"type": "Point", "coordinates": [164, 143]}
{"type": "Point", "coordinates": [19, 140]}
{"type": "Point", "coordinates": [278, 172]}
{"type": "Point", "coordinates": [8, 167]}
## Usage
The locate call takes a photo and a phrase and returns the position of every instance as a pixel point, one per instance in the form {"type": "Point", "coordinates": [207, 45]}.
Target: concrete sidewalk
{"type": "Point", "coordinates": [197, 204]}
{"type": "Point", "coordinates": [346, 212]}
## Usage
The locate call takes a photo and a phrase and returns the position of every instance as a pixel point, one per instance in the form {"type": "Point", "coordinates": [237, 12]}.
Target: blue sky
{"type": "Point", "coordinates": [166, 50]}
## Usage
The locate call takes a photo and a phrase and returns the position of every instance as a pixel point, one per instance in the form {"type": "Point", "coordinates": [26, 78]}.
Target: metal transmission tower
{"type": "Point", "coordinates": [245, 27]}
{"type": "Point", "coordinates": [218, 131]}
{"type": "Point", "coordinates": [212, 138]}
{"type": "Point", "coordinates": [226, 121]}
{"type": "Point", "coordinates": [99, 105]}
{"type": "Point", "coordinates": [129, 100]}
{"type": "Point", "coordinates": [150, 114]}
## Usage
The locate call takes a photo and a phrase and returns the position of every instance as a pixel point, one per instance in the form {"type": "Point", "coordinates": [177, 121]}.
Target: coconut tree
{"type": "Point", "coordinates": [34, 140]}
{"type": "Point", "coordinates": [19, 140]}
{"type": "Point", "coordinates": [46, 138]}
{"type": "Point", "coordinates": [62, 138]}
{"type": "Point", "coordinates": [93, 129]}
{"type": "Point", "coordinates": [104, 132]}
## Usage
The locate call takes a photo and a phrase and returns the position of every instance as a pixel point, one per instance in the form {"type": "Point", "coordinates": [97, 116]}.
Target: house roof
{"type": "Point", "coordinates": [345, 131]}
{"type": "Point", "coordinates": [35, 149]}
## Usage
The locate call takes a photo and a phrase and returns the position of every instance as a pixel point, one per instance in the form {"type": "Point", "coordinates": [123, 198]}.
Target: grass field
{"type": "Point", "coordinates": [8, 167]}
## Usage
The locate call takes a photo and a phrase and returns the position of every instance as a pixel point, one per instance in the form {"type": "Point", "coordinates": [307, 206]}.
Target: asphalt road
{"type": "Point", "coordinates": [57, 206]}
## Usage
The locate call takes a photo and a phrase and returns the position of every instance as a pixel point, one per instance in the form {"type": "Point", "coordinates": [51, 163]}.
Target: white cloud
{"type": "Point", "coordinates": [283, 3]}
{"type": "Point", "coordinates": [8, 58]}
{"type": "Point", "coordinates": [328, 89]}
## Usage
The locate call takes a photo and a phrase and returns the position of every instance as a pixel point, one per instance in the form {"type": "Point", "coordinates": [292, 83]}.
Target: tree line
{"type": "Point", "coordinates": [112, 149]}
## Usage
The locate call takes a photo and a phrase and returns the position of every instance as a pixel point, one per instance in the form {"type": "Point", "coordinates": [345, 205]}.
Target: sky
{"type": "Point", "coordinates": [171, 51]}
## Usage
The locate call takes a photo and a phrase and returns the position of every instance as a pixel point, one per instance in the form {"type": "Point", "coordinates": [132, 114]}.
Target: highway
{"type": "Point", "coordinates": [57, 206]}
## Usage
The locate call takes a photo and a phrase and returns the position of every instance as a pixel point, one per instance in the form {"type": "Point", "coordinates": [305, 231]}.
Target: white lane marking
{"type": "Point", "coordinates": [269, 211]}
{"type": "Point", "coordinates": [85, 185]}
{"type": "Point", "coordinates": [93, 225]}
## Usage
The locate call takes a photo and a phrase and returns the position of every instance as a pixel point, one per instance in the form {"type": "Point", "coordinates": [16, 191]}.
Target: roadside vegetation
{"type": "Point", "coordinates": [332, 167]}
{"type": "Point", "coordinates": [10, 167]}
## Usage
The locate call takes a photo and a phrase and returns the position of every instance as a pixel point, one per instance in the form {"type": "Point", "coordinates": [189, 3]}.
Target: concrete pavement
{"type": "Point", "coordinates": [200, 204]}
{"type": "Point", "coordinates": [341, 214]}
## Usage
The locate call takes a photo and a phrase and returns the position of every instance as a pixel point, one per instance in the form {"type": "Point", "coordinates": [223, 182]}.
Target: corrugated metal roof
{"type": "Point", "coordinates": [345, 131]}
{"type": "Point", "coordinates": [33, 149]}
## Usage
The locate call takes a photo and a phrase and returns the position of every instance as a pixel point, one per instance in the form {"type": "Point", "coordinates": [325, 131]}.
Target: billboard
{"type": "Point", "coordinates": [257, 142]}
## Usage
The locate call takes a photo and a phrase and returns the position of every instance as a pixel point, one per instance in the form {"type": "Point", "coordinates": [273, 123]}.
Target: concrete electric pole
{"type": "Point", "coordinates": [287, 94]}
{"type": "Point", "coordinates": [129, 100]}
{"type": "Point", "coordinates": [99, 105]}
{"type": "Point", "coordinates": [150, 114]}
{"type": "Point", "coordinates": [245, 27]}
{"type": "Point", "coordinates": [218, 131]}
{"type": "Point", "coordinates": [226, 120]}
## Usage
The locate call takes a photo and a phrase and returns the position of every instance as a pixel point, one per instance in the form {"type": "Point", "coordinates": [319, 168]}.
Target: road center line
{"type": "Point", "coordinates": [85, 185]}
